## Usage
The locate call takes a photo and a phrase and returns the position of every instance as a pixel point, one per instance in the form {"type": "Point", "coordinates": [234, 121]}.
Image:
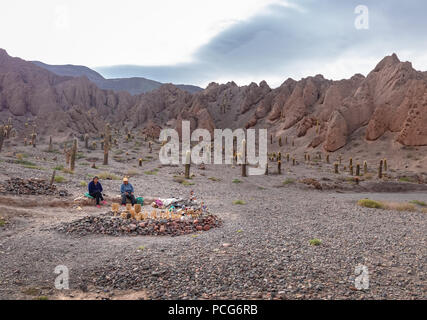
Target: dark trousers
{"type": "Point", "coordinates": [128, 196]}
{"type": "Point", "coordinates": [98, 196]}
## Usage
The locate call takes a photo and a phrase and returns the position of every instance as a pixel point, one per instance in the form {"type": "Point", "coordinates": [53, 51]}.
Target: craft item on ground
{"type": "Point", "coordinates": [115, 207]}
{"type": "Point", "coordinates": [137, 208]}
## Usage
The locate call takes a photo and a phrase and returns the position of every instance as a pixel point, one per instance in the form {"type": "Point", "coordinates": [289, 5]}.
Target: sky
{"type": "Point", "coordinates": [201, 41]}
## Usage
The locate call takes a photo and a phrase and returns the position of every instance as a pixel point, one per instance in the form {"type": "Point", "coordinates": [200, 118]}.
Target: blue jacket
{"type": "Point", "coordinates": [126, 188]}
{"type": "Point", "coordinates": [92, 187]}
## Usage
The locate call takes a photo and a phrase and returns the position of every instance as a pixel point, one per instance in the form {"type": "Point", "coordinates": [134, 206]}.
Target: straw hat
{"type": "Point", "coordinates": [125, 179]}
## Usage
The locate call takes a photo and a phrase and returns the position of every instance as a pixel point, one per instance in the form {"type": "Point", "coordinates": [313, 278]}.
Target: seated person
{"type": "Point", "coordinates": [127, 192]}
{"type": "Point", "coordinates": [95, 191]}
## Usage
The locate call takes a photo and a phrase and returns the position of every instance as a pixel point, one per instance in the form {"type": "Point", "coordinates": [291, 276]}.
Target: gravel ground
{"type": "Point", "coordinates": [262, 250]}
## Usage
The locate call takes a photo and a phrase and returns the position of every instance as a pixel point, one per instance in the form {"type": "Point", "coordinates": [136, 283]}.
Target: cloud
{"type": "Point", "coordinates": [297, 39]}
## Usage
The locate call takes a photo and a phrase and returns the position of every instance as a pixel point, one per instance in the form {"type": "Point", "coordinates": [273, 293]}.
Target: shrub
{"type": "Point", "coordinates": [131, 173]}
{"type": "Point", "coordinates": [25, 163]}
{"type": "Point", "coordinates": [152, 172]}
{"type": "Point", "coordinates": [21, 156]}
{"type": "Point", "coordinates": [370, 204]}
{"type": "Point", "coordinates": [419, 203]}
{"type": "Point", "coordinates": [288, 181]}
{"type": "Point", "coordinates": [239, 202]}
{"type": "Point", "coordinates": [315, 242]}
{"type": "Point", "coordinates": [399, 206]}
{"type": "Point", "coordinates": [83, 183]}
{"type": "Point", "coordinates": [236, 181]}
{"type": "Point", "coordinates": [59, 179]}
{"type": "Point", "coordinates": [187, 183]}
{"type": "Point", "coordinates": [108, 176]}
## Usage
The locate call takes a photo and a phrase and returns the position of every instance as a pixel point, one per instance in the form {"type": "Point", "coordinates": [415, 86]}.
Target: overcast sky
{"type": "Point", "coordinates": [199, 41]}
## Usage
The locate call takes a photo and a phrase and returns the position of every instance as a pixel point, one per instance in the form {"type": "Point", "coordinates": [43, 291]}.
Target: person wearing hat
{"type": "Point", "coordinates": [95, 191]}
{"type": "Point", "coordinates": [127, 192]}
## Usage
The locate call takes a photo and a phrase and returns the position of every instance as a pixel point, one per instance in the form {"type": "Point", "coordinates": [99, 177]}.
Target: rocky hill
{"type": "Point", "coordinates": [134, 86]}
{"type": "Point", "coordinates": [313, 112]}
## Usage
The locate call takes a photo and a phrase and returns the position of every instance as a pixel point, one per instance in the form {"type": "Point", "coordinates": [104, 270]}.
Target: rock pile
{"type": "Point", "coordinates": [115, 226]}
{"type": "Point", "coordinates": [20, 186]}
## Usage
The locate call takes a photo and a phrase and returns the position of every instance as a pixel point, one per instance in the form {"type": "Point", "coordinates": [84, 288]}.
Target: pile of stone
{"type": "Point", "coordinates": [110, 224]}
{"type": "Point", "coordinates": [18, 186]}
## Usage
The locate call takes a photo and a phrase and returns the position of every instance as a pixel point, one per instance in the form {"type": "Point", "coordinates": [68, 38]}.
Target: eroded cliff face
{"type": "Point", "coordinates": [320, 112]}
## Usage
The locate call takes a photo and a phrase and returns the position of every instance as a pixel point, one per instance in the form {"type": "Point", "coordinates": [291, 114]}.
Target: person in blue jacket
{"type": "Point", "coordinates": [95, 191]}
{"type": "Point", "coordinates": [127, 192]}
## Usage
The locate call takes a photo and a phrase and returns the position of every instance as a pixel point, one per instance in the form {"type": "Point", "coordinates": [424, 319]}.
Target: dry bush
{"type": "Point", "coordinates": [405, 206]}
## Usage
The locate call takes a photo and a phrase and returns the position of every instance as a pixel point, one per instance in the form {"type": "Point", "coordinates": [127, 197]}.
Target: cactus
{"type": "Point", "coordinates": [351, 162]}
{"type": "Point", "coordinates": [86, 141]}
{"type": "Point", "coordinates": [50, 144]}
{"type": "Point", "coordinates": [150, 147]}
{"type": "Point", "coordinates": [106, 149]}
{"type": "Point", "coordinates": [33, 139]}
{"type": "Point", "coordinates": [327, 158]}
{"type": "Point", "coordinates": [339, 160]}
{"type": "Point", "coordinates": [244, 174]}
{"type": "Point", "coordinates": [279, 156]}
{"type": "Point", "coordinates": [67, 154]}
{"type": "Point", "coordinates": [351, 169]}
{"type": "Point", "coordinates": [279, 167]}
{"type": "Point", "coordinates": [280, 141]}
{"type": "Point", "coordinates": [271, 139]}
{"type": "Point", "coordinates": [266, 170]}
{"type": "Point", "coordinates": [385, 165]}
{"type": "Point", "coordinates": [286, 140]}
{"type": "Point", "coordinates": [2, 136]}
{"type": "Point", "coordinates": [94, 145]}
{"type": "Point", "coordinates": [187, 164]}
{"type": "Point", "coordinates": [293, 161]}
{"type": "Point", "coordinates": [106, 144]}
{"type": "Point", "coordinates": [293, 143]}
{"type": "Point", "coordinates": [380, 170]}
{"type": "Point", "coordinates": [357, 170]}
{"type": "Point", "coordinates": [336, 166]}
{"type": "Point", "coordinates": [52, 179]}
{"type": "Point", "coordinates": [140, 162]}
{"type": "Point", "coordinates": [25, 141]}
{"type": "Point", "coordinates": [73, 155]}
{"type": "Point", "coordinates": [365, 167]}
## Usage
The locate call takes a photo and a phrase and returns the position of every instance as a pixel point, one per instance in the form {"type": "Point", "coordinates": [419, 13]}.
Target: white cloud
{"type": "Point", "coordinates": [101, 32]}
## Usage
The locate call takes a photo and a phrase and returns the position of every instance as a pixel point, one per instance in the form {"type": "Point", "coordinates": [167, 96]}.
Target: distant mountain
{"type": "Point", "coordinates": [315, 113]}
{"type": "Point", "coordinates": [134, 86]}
